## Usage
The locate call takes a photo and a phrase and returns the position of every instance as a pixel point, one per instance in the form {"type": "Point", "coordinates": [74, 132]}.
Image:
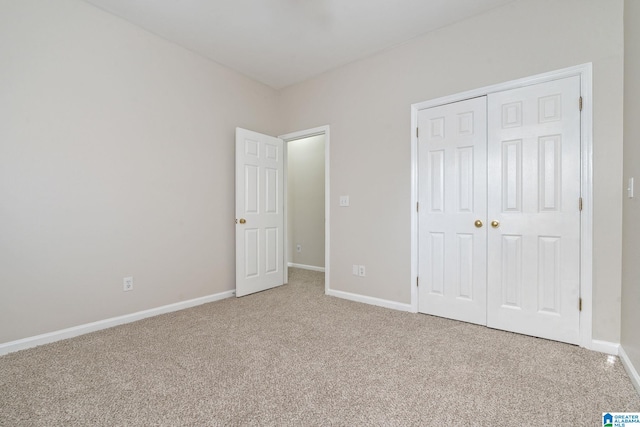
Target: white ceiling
{"type": "Point", "coordinates": [281, 42]}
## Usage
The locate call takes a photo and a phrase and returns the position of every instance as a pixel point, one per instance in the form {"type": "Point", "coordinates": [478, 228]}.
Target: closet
{"type": "Point", "coordinates": [499, 210]}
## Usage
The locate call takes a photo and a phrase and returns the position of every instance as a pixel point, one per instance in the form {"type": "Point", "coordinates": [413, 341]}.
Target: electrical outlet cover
{"type": "Point", "coordinates": [361, 271]}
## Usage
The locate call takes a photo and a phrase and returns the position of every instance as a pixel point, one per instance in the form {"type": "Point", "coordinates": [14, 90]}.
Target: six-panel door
{"type": "Point", "coordinates": [452, 193]}
{"type": "Point", "coordinates": [534, 193]}
{"type": "Point", "coordinates": [523, 264]}
{"type": "Point", "coordinates": [259, 212]}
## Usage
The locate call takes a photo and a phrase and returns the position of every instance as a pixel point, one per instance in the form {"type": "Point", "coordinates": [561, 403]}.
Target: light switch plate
{"type": "Point", "coordinates": [344, 201]}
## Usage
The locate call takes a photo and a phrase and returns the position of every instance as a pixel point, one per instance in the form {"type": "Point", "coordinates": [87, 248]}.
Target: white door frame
{"type": "Point", "coordinates": [586, 182]}
{"type": "Point", "coordinates": [321, 130]}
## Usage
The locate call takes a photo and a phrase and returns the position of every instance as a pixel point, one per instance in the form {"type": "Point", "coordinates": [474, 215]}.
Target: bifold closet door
{"type": "Point", "coordinates": [534, 210]}
{"type": "Point", "coordinates": [452, 210]}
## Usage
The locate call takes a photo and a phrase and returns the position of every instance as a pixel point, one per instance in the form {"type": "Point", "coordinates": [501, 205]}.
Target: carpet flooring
{"type": "Point", "coordinates": [292, 356]}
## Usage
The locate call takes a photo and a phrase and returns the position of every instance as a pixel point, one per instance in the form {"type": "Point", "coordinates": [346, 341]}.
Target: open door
{"type": "Point", "coordinates": [259, 212]}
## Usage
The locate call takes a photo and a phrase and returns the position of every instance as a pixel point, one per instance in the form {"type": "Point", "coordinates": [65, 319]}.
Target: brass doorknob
{"type": "Point", "coordinates": [243, 221]}
{"type": "Point", "coordinates": [495, 224]}
{"type": "Point", "coordinates": [478, 223]}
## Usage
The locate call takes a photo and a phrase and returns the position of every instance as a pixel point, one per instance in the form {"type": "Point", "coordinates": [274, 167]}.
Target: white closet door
{"type": "Point", "coordinates": [452, 197]}
{"type": "Point", "coordinates": [533, 210]}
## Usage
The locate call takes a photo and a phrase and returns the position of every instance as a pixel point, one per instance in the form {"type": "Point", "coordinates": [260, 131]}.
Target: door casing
{"type": "Point", "coordinates": [586, 181]}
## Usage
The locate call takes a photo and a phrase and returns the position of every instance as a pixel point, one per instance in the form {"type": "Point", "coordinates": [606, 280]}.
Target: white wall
{"type": "Point", "coordinates": [116, 153]}
{"type": "Point", "coordinates": [630, 339]}
{"type": "Point", "coordinates": [367, 104]}
{"type": "Point", "coordinates": [306, 200]}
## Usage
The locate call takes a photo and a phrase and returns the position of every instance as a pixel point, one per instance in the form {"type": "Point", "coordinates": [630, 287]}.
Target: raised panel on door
{"type": "Point", "coordinates": [533, 193]}
{"type": "Point", "coordinates": [452, 196]}
{"type": "Point", "coordinates": [259, 212]}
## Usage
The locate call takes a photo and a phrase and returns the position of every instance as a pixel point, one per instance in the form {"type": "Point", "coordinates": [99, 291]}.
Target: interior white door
{"type": "Point", "coordinates": [533, 210]}
{"type": "Point", "coordinates": [452, 210]}
{"type": "Point", "coordinates": [259, 212]}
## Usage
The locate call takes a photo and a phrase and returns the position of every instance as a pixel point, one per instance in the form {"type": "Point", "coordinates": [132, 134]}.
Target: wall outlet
{"type": "Point", "coordinates": [344, 201]}
{"type": "Point", "coordinates": [361, 271]}
{"type": "Point", "coordinates": [298, 248]}
{"type": "Point", "coordinates": [127, 284]}
{"type": "Point", "coordinates": [355, 269]}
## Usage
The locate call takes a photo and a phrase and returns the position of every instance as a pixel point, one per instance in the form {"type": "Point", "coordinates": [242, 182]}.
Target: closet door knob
{"type": "Point", "coordinates": [495, 224]}
{"type": "Point", "coordinates": [478, 223]}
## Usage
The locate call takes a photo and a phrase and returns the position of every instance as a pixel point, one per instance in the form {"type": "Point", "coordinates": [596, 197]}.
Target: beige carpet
{"type": "Point", "coordinates": [294, 357]}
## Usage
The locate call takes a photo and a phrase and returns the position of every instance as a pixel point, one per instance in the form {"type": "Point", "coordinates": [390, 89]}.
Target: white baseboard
{"type": "Point", "coordinates": [631, 370]}
{"type": "Point", "coordinates": [370, 300]}
{"type": "Point", "coordinates": [22, 344]}
{"type": "Point", "coordinates": [605, 347]}
{"type": "Point", "coordinates": [306, 267]}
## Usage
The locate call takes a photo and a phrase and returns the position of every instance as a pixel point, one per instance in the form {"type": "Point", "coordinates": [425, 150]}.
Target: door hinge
{"type": "Point", "coordinates": [417, 206]}
{"type": "Point", "coordinates": [418, 281]}
{"type": "Point", "coordinates": [580, 103]}
{"type": "Point", "coordinates": [580, 204]}
{"type": "Point", "coordinates": [417, 132]}
{"type": "Point", "coordinates": [579, 304]}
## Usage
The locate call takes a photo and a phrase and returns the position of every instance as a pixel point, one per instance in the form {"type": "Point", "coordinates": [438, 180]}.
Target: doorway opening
{"type": "Point", "coordinates": [307, 207]}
